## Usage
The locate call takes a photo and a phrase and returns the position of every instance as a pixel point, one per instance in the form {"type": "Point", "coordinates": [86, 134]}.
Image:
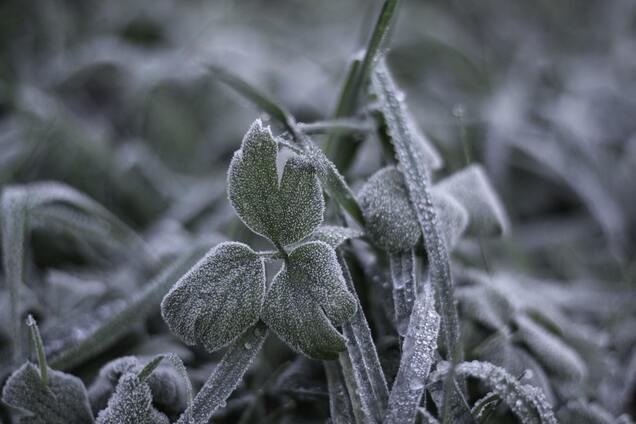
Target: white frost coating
{"type": "Point", "coordinates": [131, 404]}
{"type": "Point", "coordinates": [307, 298]}
{"type": "Point", "coordinates": [389, 218]}
{"type": "Point", "coordinates": [527, 402]}
{"type": "Point", "coordinates": [363, 355]}
{"type": "Point", "coordinates": [556, 356]}
{"type": "Point", "coordinates": [485, 305]}
{"type": "Point", "coordinates": [471, 187]}
{"type": "Point", "coordinates": [403, 277]}
{"type": "Point", "coordinates": [418, 183]}
{"type": "Point", "coordinates": [62, 401]}
{"type": "Point", "coordinates": [418, 354]}
{"type": "Point", "coordinates": [216, 300]}
{"type": "Point", "coordinates": [286, 212]}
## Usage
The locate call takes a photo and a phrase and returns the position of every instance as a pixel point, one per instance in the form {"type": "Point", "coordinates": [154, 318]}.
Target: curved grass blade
{"type": "Point", "coordinates": [417, 358]}
{"type": "Point", "coordinates": [363, 355]}
{"type": "Point", "coordinates": [418, 182]}
{"type": "Point", "coordinates": [226, 376]}
{"type": "Point", "coordinates": [141, 305]}
{"type": "Point", "coordinates": [527, 402]}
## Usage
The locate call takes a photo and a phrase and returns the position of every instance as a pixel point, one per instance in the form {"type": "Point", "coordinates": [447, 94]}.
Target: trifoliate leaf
{"type": "Point", "coordinates": [62, 401]}
{"type": "Point", "coordinates": [218, 299]}
{"type": "Point", "coordinates": [472, 189]}
{"type": "Point", "coordinates": [285, 212]}
{"type": "Point", "coordinates": [131, 404]}
{"type": "Point", "coordinates": [333, 235]}
{"type": "Point", "coordinates": [307, 298]}
{"type": "Point", "coordinates": [390, 219]}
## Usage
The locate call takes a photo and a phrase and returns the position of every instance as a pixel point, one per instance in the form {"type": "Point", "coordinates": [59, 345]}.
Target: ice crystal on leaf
{"type": "Point", "coordinates": [285, 212]}
{"type": "Point", "coordinates": [307, 298]}
{"type": "Point", "coordinates": [218, 299]}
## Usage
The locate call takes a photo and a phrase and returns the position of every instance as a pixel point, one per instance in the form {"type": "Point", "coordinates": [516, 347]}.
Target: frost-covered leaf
{"type": "Point", "coordinates": [555, 355]}
{"type": "Point", "coordinates": [418, 355]}
{"type": "Point", "coordinates": [333, 235]}
{"type": "Point", "coordinates": [500, 351]}
{"type": "Point", "coordinates": [286, 212]}
{"type": "Point", "coordinates": [472, 189]}
{"type": "Point", "coordinates": [390, 220]}
{"type": "Point", "coordinates": [220, 297]}
{"type": "Point", "coordinates": [307, 298]}
{"type": "Point", "coordinates": [485, 305]}
{"type": "Point", "coordinates": [169, 385]}
{"type": "Point", "coordinates": [453, 218]}
{"type": "Point", "coordinates": [527, 402]}
{"type": "Point", "coordinates": [131, 404]}
{"type": "Point", "coordinates": [62, 401]}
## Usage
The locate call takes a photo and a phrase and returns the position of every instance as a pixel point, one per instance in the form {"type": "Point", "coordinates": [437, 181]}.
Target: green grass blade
{"type": "Point", "coordinates": [13, 209]}
{"type": "Point", "coordinates": [39, 348]}
{"type": "Point", "coordinates": [341, 149]}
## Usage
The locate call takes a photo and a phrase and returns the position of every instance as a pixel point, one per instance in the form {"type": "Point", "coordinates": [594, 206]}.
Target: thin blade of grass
{"type": "Point", "coordinates": [226, 376]}
{"type": "Point", "coordinates": [142, 305]}
{"type": "Point", "coordinates": [403, 278]}
{"type": "Point", "coordinates": [14, 204]}
{"type": "Point", "coordinates": [341, 149]}
{"type": "Point", "coordinates": [417, 358]}
{"type": "Point", "coordinates": [367, 370]}
{"type": "Point", "coordinates": [340, 408]}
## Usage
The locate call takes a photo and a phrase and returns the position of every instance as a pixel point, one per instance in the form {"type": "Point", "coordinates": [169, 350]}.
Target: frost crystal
{"type": "Point", "coordinates": [307, 298]}
{"type": "Point", "coordinates": [286, 212]}
{"type": "Point", "coordinates": [220, 297]}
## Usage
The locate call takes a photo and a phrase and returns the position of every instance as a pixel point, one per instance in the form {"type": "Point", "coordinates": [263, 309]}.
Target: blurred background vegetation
{"type": "Point", "coordinates": [115, 99]}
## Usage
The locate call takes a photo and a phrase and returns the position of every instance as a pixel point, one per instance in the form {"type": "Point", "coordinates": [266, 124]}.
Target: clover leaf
{"type": "Point", "coordinates": [218, 299]}
{"type": "Point", "coordinates": [285, 212]}
{"type": "Point", "coordinates": [62, 400]}
{"type": "Point", "coordinates": [307, 298]}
